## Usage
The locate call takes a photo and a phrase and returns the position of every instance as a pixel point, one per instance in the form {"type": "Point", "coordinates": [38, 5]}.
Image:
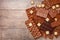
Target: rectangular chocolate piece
{"type": "Point", "coordinates": [58, 17]}
{"type": "Point", "coordinates": [38, 19]}
{"type": "Point", "coordinates": [33, 29]}
{"type": "Point", "coordinates": [31, 12]}
{"type": "Point", "coordinates": [57, 29]}
{"type": "Point", "coordinates": [42, 12]}
{"type": "Point", "coordinates": [55, 23]}
{"type": "Point", "coordinates": [46, 26]}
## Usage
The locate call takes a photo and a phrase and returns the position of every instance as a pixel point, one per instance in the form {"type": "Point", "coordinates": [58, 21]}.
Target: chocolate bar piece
{"type": "Point", "coordinates": [46, 26]}
{"type": "Point", "coordinates": [58, 17]}
{"type": "Point", "coordinates": [38, 19]}
{"type": "Point", "coordinates": [57, 29]}
{"type": "Point", "coordinates": [33, 28]}
{"type": "Point", "coordinates": [56, 23]}
{"type": "Point", "coordinates": [31, 12]}
{"type": "Point", "coordinates": [50, 36]}
{"type": "Point", "coordinates": [58, 9]}
{"type": "Point", "coordinates": [53, 13]}
{"type": "Point", "coordinates": [50, 3]}
{"type": "Point", "coordinates": [42, 12]}
{"type": "Point", "coordinates": [50, 18]}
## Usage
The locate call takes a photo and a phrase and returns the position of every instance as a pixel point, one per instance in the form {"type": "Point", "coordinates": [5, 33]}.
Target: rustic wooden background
{"type": "Point", "coordinates": [12, 20]}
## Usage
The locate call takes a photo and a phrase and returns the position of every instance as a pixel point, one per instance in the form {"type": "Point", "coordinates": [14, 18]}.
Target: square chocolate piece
{"type": "Point", "coordinates": [42, 12]}
{"type": "Point", "coordinates": [53, 13]}
{"type": "Point", "coordinates": [31, 12]}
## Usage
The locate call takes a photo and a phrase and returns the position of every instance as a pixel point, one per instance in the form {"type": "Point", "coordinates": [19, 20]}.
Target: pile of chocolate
{"type": "Point", "coordinates": [44, 19]}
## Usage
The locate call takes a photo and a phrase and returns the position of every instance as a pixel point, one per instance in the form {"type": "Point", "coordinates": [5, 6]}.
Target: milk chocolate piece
{"type": "Point", "coordinates": [42, 12]}
{"type": "Point", "coordinates": [33, 29]}
{"type": "Point", "coordinates": [50, 3]}
{"type": "Point", "coordinates": [31, 15]}
{"type": "Point", "coordinates": [55, 23]}
{"type": "Point", "coordinates": [50, 18]}
{"type": "Point", "coordinates": [43, 34]}
{"type": "Point", "coordinates": [57, 29]}
{"type": "Point", "coordinates": [47, 5]}
{"type": "Point", "coordinates": [50, 36]}
{"type": "Point", "coordinates": [38, 15]}
{"type": "Point", "coordinates": [53, 13]}
{"type": "Point", "coordinates": [58, 9]}
{"type": "Point", "coordinates": [58, 17]}
{"type": "Point", "coordinates": [38, 19]}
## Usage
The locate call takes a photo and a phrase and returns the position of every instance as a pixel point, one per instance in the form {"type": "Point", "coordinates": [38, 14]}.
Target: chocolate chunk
{"type": "Point", "coordinates": [58, 17]}
{"type": "Point", "coordinates": [50, 36]}
{"type": "Point", "coordinates": [55, 23]}
{"type": "Point", "coordinates": [46, 26]}
{"type": "Point", "coordinates": [47, 5]}
{"type": "Point", "coordinates": [38, 19]}
{"type": "Point", "coordinates": [33, 29]}
{"type": "Point", "coordinates": [53, 13]}
{"type": "Point", "coordinates": [31, 12]}
{"type": "Point", "coordinates": [58, 9]}
{"type": "Point", "coordinates": [50, 3]}
{"type": "Point", "coordinates": [42, 12]}
{"type": "Point", "coordinates": [57, 29]}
